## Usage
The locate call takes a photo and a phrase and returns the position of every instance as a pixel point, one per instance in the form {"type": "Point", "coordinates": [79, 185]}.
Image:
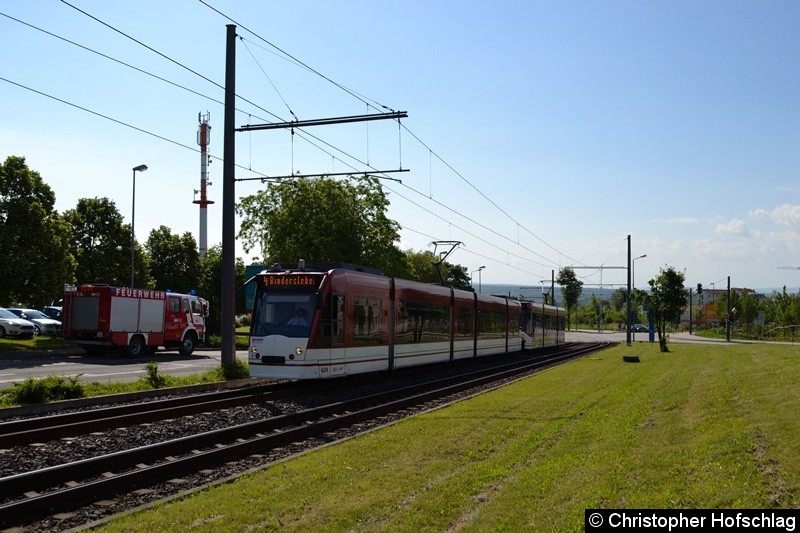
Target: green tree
{"type": "Point", "coordinates": [744, 307]}
{"type": "Point", "coordinates": [419, 267]}
{"type": "Point", "coordinates": [638, 297]}
{"type": "Point", "coordinates": [619, 299]}
{"type": "Point", "coordinates": [721, 306]}
{"type": "Point", "coordinates": [209, 286]}
{"type": "Point", "coordinates": [322, 220]}
{"type": "Point", "coordinates": [665, 301]}
{"type": "Point", "coordinates": [457, 277]}
{"type": "Point", "coordinates": [102, 245]}
{"type": "Point", "coordinates": [571, 288]}
{"type": "Point", "coordinates": [782, 310]}
{"type": "Point", "coordinates": [35, 258]}
{"type": "Point", "coordinates": [748, 309]}
{"type": "Point", "coordinates": [174, 260]}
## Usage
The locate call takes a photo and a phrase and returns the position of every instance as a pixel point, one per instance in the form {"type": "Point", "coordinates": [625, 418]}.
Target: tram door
{"type": "Point", "coordinates": [331, 337]}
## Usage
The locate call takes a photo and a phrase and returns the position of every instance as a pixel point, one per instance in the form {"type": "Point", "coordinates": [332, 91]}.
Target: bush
{"type": "Point", "coordinates": [238, 370]}
{"type": "Point", "coordinates": [215, 341]}
{"type": "Point", "coordinates": [154, 378]}
{"type": "Point", "coordinates": [49, 389]}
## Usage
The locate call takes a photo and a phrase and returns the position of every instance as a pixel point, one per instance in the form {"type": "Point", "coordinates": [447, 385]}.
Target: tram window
{"type": "Point", "coordinates": [491, 324]}
{"type": "Point", "coordinates": [421, 322]}
{"type": "Point", "coordinates": [272, 312]}
{"type": "Point", "coordinates": [367, 321]}
{"type": "Point", "coordinates": [465, 323]}
{"type": "Point", "coordinates": [331, 327]}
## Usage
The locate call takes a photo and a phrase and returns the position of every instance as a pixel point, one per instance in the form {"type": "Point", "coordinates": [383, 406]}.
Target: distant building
{"type": "Point", "coordinates": [704, 309]}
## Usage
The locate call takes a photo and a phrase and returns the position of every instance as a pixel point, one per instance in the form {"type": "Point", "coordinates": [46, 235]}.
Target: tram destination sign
{"type": "Point", "coordinates": [291, 281]}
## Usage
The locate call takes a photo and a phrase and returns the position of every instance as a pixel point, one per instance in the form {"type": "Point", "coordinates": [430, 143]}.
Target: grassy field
{"type": "Point", "coordinates": [700, 427]}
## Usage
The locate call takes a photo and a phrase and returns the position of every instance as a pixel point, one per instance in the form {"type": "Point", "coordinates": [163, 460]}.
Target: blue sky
{"type": "Point", "coordinates": [539, 134]}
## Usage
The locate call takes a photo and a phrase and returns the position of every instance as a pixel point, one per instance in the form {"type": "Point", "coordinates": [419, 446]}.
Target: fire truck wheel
{"type": "Point", "coordinates": [188, 344]}
{"type": "Point", "coordinates": [136, 346]}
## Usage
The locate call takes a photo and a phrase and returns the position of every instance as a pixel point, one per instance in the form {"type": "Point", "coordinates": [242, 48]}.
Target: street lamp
{"type": "Point", "coordinates": [633, 284]}
{"type": "Point", "coordinates": [479, 277]}
{"type": "Point", "coordinates": [140, 168]}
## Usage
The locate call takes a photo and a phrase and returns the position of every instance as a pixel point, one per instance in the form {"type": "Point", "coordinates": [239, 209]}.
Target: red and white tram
{"type": "Point", "coordinates": [328, 322]}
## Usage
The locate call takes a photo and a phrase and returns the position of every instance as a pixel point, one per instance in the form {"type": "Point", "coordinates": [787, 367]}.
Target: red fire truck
{"type": "Point", "coordinates": [138, 320]}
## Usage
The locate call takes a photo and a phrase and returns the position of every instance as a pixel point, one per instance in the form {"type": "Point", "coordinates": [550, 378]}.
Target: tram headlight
{"type": "Point", "coordinates": [254, 353]}
{"type": "Point", "coordinates": [297, 352]}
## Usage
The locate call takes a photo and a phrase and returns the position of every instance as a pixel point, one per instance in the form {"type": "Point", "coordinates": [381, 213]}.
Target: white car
{"type": "Point", "coordinates": [13, 326]}
{"type": "Point", "coordinates": [43, 324]}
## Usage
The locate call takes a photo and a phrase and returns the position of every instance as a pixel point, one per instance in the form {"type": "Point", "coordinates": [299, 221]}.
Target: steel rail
{"type": "Point", "coordinates": [42, 429]}
{"type": "Point", "coordinates": [261, 436]}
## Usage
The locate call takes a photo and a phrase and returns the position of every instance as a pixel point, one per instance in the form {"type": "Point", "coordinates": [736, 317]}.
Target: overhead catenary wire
{"type": "Point", "coordinates": [311, 69]}
{"type": "Point", "coordinates": [319, 140]}
{"type": "Point", "coordinates": [112, 119]}
{"type": "Point", "coordinates": [174, 61]}
{"type": "Point", "coordinates": [548, 265]}
{"type": "Point", "coordinates": [467, 250]}
{"type": "Point", "coordinates": [400, 125]}
{"type": "Point", "coordinates": [162, 79]}
{"type": "Point", "coordinates": [352, 93]}
{"type": "Point", "coordinates": [268, 78]}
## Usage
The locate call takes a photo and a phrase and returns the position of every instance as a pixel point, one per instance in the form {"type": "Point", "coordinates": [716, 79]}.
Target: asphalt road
{"type": "Point", "coordinates": [17, 366]}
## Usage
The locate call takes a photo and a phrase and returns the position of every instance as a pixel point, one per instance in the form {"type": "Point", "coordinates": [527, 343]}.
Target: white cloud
{"type": "Point", "coordinates": [784, 215]}
{"type": "Point", "coordinates": [680, 220]}
{"type": "Point", "coordinates": [733, 227]}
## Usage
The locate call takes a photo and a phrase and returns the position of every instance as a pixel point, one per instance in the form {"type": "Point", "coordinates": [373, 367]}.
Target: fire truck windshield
{"type": "Point", "coordinates": [283, 313]}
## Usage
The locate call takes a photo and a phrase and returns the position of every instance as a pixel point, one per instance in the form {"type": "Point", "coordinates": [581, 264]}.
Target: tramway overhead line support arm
{"type": "Point", "coordinates": [228, 304]}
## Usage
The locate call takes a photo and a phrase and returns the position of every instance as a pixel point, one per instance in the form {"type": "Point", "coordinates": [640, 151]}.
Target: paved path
{"type": "Point", "coordinates": [619, 336]}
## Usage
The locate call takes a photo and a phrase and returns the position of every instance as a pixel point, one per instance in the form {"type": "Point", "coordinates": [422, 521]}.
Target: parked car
{"type": "Point", "coordinates": [640, 328]}
{"type": "Point", "coordinates": [13, 326]}
{"type": "Point", "coordinates": [52, 311]}
{"type": "Point", "coordinates": [43, 324]}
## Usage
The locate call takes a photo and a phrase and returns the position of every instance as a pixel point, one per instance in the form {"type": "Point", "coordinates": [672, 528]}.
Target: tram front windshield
{"type": "Point", "coordinates": [283, 313]}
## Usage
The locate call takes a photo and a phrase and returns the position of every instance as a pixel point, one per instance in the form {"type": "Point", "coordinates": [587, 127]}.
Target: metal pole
{"type": "Point", "coordinates": [628, 307]}
{"type": "Point", "coordinates": [690, 310]}
{"type": "Point", "coordinates": [633, 288]}
{"type": "Point", "coordinates": [728, 313]}
{"type": "Point", "coordinates": [140, 168]}
{"type": "Point", "coordinates": [133, 220]}
{"type": "Point", "coordinates": [228, 282]}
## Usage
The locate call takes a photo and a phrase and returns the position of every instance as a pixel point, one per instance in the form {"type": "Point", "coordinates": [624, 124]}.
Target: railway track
{"type": "Point", "coordinates": [28, 497]}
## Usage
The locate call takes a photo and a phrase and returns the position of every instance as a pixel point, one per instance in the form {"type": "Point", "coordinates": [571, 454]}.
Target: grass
{"type": "Point", "coordinates": [10, 344]}
{"type": "Point", "coordinates": [699, 427]}
{"type": "Point", "coordinates": [40, 342]}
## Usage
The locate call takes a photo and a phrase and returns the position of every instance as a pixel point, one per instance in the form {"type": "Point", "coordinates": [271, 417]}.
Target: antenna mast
{"type": "Point", "coordinates": [203, 139]}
